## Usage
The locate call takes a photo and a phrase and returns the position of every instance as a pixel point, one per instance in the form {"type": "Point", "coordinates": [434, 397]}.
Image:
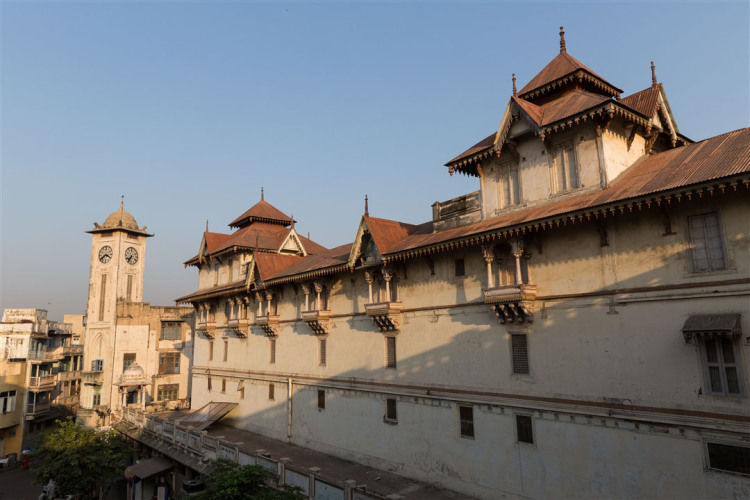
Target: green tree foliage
{"type": "Point", "coordinates": [81, 461]}
{"type": "Point", "coordinates": [230, 481]}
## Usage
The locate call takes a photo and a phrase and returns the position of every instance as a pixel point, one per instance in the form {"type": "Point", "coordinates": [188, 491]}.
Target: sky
{"type": "Point", "coordinates": [188, 108]}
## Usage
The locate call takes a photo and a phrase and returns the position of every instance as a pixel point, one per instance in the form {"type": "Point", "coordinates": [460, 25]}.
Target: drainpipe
{"type": "Point", "coordinates": [289, 409]}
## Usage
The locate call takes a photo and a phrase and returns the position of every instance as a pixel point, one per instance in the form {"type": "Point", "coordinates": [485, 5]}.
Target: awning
{"type": "Point", "coordinates": [700, 326]}
{"type": "Point", "coordinates": [206, 415]}
{"type": "Point", "coordinates": [148, 467]}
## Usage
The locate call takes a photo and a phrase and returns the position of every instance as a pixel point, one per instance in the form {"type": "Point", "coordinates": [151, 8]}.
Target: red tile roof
{"type": "Point", "coordinates": [262, 212]}
{"type": "Point", "coordinates": [215, 241]}
{"type": "Point", "coordinates": [562, 65]}
{"type": "Point", "coordinates": [645, 102]}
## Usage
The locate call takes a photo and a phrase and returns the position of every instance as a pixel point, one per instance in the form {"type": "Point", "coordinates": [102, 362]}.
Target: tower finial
{"type": "Point", "coordinates": [562, 40]}
{"type": "Point", "coordinates": [122, 202]}
{"type": "Point", "coordinates": [261, 193]}
{"type": "Point", "coordinates": [514, 84]}
{"type": "Point", "coordinates": [206, 225]}
{"type": "Point", "coordinates": [292, 221]}
{"type": "Point", "coordinates": [653, 74]}
{"type": "Point", "coordinates": [367, 210]}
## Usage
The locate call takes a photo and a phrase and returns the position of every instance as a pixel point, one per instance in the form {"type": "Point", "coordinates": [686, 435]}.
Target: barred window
{"type": "Point", "coordinates": [171, 330]}
{"type": "Point", "coordinates": [390, 354]}
{"type": "Point", "coordinates": [524, 430]}
{"type": "Point", "coordinates": [390, 410]}
{"type": "Point", "coordinates": [321, 399]}
{"type": "Point", "coordinates": [466, 420]}
{"type": "Point", "coordinates": [519, 353]}
{"type": "Point", "coordinates": [210, 350]}
{"type": "Point", "coordinates": [226, 350]}
{"type": "Point", "coordinates": [127, 360]}
{"type": "Point", "coordinates": [168, 392]}
{"type": "Point", "coordinates": [169, 362]}
{"type": "Point", "coordinates": [208, 383]}
{"type": "Point", "coordinates": [729, 458]}
{"type": "Point", "coordinates": [272, 348]}
{"type": "Point", "coordinates": [271, 392]}
{"type": "Point", "coordinates": [705, 239]}
{"type": "Point", "coordinates": [322, 352]}
{"type": "Point", "coordinates": [223, 385]}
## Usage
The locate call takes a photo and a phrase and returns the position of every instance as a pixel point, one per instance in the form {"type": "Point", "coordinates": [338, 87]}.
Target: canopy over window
{"type": "Point", "coordinates": [147, 468]}
{"type": "Point", "coordinates": [701, 326]}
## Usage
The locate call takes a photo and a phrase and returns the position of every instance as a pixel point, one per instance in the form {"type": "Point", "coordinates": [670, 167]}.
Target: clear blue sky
{"type": "Point", "coordinates": [188, 108]}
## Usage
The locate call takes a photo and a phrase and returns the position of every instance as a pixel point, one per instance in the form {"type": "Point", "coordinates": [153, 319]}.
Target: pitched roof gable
{"type": "Point", "coordinates": [562, 66]}
{"type": "Point", "coordinates": [269, 264]}
{"type": "Point", "coordinates": [261, 212]}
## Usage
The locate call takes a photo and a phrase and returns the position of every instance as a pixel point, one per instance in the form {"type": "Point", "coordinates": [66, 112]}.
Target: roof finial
{"type": "Point", "coordinates": [514, 84]}
{"type": "Point", "coordinates": [653, 74]}
{"type": "Point", "coordinates": [122, 202]}
{"type": "Point", "coordinates": [206, 225]}
{"type": "Point", "coordinates": [292, 221]}
{"type": "Point", "coordinates": [562, 40]}
{"type": "Point", "coordinates": [367, 210]}
{"type": "Point", "coordinates": [261, 193]}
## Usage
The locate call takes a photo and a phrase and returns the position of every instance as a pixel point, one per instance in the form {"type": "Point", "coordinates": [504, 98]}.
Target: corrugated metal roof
{"type": "Point", "coordinates": [563, 64]}
{"type": "Point", "coordinates": [644, 102]}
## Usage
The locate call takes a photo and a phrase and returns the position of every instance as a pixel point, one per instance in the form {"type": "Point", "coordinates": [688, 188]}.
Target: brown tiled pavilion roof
{"type": "Point", "coordinates": [262, 212]}
{"type": "Point", "coordinates": [645, 102]}
{"type": "Point", "coordinates": [558, 68]}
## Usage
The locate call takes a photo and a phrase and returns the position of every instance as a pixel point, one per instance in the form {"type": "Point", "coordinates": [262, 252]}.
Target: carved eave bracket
{"type": "Point", "coordinates": [512, 304]}
{"type": "Point", "coordinates": [318, 321]}
{"type": "Point", "coordinates": [269, 324]}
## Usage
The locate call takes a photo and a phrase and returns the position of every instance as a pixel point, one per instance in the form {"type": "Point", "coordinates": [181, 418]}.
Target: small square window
{"type": "Point", "coordinates": [460, 271]}
{"type": "Point", "coordinates": [321, 399]}
{"type": "Point", "coordinates": [524, 431]}
{"type": "Point", "coordinates": [466, 418]}
{"type": "Point", "coordinates": [390, 410]}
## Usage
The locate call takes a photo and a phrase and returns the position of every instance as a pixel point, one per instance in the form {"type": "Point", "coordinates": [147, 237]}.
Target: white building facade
{"type": "Point", "coordinates": [578, 327]}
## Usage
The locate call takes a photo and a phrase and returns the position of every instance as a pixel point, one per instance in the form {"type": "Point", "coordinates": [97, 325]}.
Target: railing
{"type": "Point", "coordinates": [73, 350]}
{"type": "Point", "coordinates": [33, 409]}
{"type": "Point", "coordinates": [386, 315]}
{"type": "Point", "coordinates": [68, 375]}
{"type": "Point", "coordinates": [207, 327]}
{"type": "Point", "coordinates": [92, 377]}
{"type": "Point", "coordinates": [186, 441]}
{"type": "Point", "coordinates": [239, 326]}
{"type": "Point", "coordinates": [46, 355]}
{"type": "Point", "coordinates": [45, 382]}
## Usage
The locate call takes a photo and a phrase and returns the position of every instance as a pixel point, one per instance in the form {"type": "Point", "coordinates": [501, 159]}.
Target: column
{"type": "Point", "coordinates": [517, 251]}
{"type": "Point", "coordinates": [306, 291]}
{"type": "Point", "coordinates": [489, 257]}
{"type": "Point", "coordinates": [387, 275]}
{"type": "Point", "coordinates": [259, 299]}
{"type": "Point", "coordinates": [368, 279]}
{"type": "Point", "coordinates": [318, 289]}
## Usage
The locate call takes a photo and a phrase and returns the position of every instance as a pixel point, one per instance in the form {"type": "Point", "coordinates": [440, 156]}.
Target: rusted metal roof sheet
{"type": "Point", "coordinates": [211, 292]}
{"type": "Point", "coordinates": [645, 102]}
{"type": "Point", "coordinates": [214, 241]}
{"type": "Point", "coordinates": [270, 264]}
{"type": "Point", "coordinates": [485, 143]}
{"type": "Point", "coordinates": [387, 233]}
{"type": "Point", "coordinates": [330, 258]}
{"type": "Point", "coordinates": [261, 211]}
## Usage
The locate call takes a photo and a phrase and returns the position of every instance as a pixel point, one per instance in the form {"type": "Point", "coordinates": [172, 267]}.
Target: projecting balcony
{"type": "Point", "coordinates": [318, 321]}
{"type": "Point", "coordinates": [68, 375]}
{"type": "Point", "coordinates": [512, 303]}
{"type": "Point", "coordinates": [35, 409]}
{"type": "Point", "coordinates": [73, 350]}
{"type": "Point", "coordinates": [386, 315]}
{"type": "Point", "coordinates": [47, 356]}
{"type": "Point", "coordinates": [240, 327]}
{"type": "Point", "coordinates": [92, 377]}
{"type": "Point", "coordinates": [207, 328]}
{"type": "Point", "coordinates": [43, 383]}
{"type": "Point", "coordinates": [268, 323]}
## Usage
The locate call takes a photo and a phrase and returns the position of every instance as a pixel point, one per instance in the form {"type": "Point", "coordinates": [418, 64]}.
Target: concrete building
{"type": "Point", "coordinates": [135, 354]}
{"type": "Point", "coordinates": [39, 375]}
{"type": "Point", "coordinates": [577, 327]}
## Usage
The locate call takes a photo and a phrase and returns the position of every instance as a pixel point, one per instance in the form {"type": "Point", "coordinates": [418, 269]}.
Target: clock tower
{"type": "Point", "coordinates": [118, 251]}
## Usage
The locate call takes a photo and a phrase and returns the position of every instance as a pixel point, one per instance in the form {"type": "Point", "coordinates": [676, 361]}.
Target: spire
{"type": "Point", "coordinates": [122, 201]}
{"type": "Point", "coordinates": [514, 84]}
{"type": "Point", "coordinates": [206, 225]}
{"type": "Point", "coordinates": [261, 193]}
{"type": "Point", "coordinates": [292, 221]}
{"type": "Point", "coordinates": [367, 210]}
{"type": "Point", "coordinates": [562, 40]}
{"type": "Point", "coordinates": [653, 74]}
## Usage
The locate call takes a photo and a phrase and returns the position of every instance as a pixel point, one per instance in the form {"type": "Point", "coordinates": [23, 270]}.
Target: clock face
{"type": "Point", "coordinates": [105, 254]}
{"type": "Point", "coordinates": [131, 255]}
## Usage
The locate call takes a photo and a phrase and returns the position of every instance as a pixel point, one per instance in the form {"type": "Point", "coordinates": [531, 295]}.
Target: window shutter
{"type": "Point", "coordinates": [520, 353]}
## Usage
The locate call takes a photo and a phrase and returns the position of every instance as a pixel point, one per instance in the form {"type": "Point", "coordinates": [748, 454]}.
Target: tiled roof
{"type": "Point", "coordinates": [485, 143]}
{"type": "Point", "coordinates": [263, 212]}
{"type": "Point", "coordinates": [330, 258]}
{"type": "Point", "coordinates": [215, 241]}
{"type": "Point", "coordinates": [645, 102]}
{"type": "Point", "coordinates": [562, 65]}
{"type": "Point", "coordinates": [311, 247]}
{"type": "Point", "coordinates": [387, 233]}
{"type": "Point", "coordinates": [270, 264]}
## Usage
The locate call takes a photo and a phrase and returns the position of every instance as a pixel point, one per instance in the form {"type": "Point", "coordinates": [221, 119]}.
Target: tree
{"type": "Point", "coordinates": [227, 480]}
{"type": "Point", "coordinates": [80, 461]}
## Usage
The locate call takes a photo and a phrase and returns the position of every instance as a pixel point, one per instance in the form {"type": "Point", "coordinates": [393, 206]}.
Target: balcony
{"type": "Point", "coordinates": [240, 327]}
{"type": "Point", "coordinates": [208, 328]}
{"type": "Point", "coordinates": [73, 350]}
{"type": "Point", "coordinates": [72, 400]}
{"type": "Point", "coordinates": [92, 377]}
{"type": "Point", "coordinates": [269, 324]}
{"type": "Point", "coordinates": [68, 375]}
{"type": "Point", "coordinates": [47, 356]}
{"type": "Point", "coordinates": [43, 383]}
{"type": "Point", "coordinates": [36, 409]}
{"type": "Point", "coordinates": [512, 303]}
{"type": "Point", "coordinates": [386, 315]}
{"type": "Point", "coordinates": [318, 321]}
